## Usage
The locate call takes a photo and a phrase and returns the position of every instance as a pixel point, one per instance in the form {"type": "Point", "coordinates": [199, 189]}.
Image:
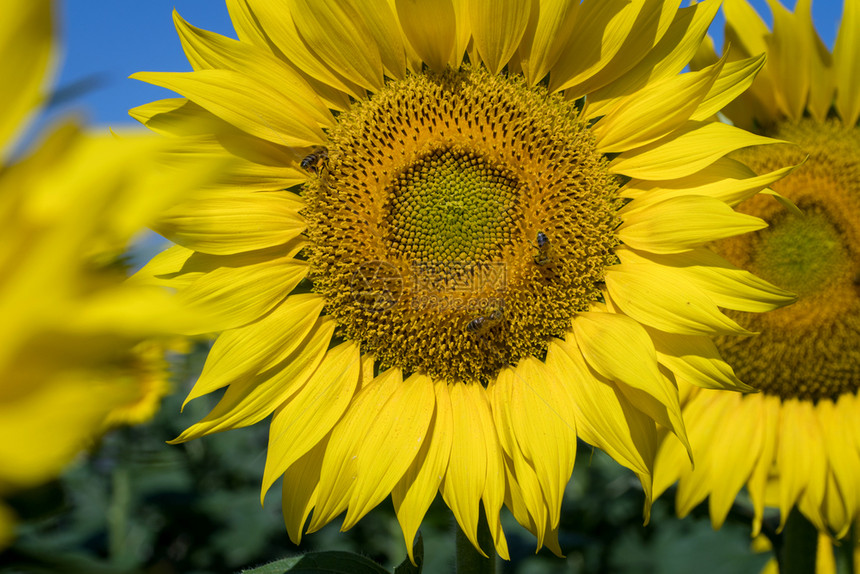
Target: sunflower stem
{"type": "Point", "coordinates": [845, 553]}
{"type": "Point", "coordinates": [469, 560]}
{"type": "Point", "coordinates": [796, 554]}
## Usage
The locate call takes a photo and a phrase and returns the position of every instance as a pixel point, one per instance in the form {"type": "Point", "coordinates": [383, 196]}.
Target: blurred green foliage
{"type": "Point", "coordinates": [134, 504]}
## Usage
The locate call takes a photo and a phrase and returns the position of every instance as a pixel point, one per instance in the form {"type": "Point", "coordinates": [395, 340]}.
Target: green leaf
{"type": "Point", "coordinates": [335, 562]}
{"type": "Point", "coordinates": [406, 566]}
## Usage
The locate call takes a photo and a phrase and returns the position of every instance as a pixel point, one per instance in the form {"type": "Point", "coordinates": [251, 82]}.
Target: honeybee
{"type": "Point", "coordinates": [314, 161]}
{"type": "Point", "coordinates": [480, 325]}
{"type": "Point", "coordinates": [543, 249]}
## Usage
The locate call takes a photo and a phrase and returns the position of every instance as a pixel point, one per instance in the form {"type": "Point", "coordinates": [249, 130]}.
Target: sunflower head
{"type": "Point", "coordinates": [441, 260]}
{"type": "Point", "coordinates": [458, 234]}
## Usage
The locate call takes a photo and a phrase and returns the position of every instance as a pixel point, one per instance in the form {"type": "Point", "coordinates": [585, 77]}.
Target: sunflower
{"type": "Point", "coordinates": [796, 443]}
{"type": "Point", "coordinates": [81, 348]}
{"type": "Point", "coordinates": [461, 234]}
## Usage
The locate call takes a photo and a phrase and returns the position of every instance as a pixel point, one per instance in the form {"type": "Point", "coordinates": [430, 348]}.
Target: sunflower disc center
{"type": "Point", "coordinates": [807, 350]}
{"type": "Point", "coordinates": [458, 222]}
{"type": "Point", "coordinates": [452, 206]}
{"type": "Point", "coordinates": [801, 253]}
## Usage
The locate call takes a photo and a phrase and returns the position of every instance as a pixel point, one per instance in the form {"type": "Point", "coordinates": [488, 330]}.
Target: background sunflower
{"type": "Point", "coordinates": [795, 443]}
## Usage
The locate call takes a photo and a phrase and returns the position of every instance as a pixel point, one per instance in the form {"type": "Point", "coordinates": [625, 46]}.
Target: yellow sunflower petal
{"type": "Point", "coordinates": [307, 418]}
{"type": "Point", "coordinates": [497, 28]}
{"type": "Point", "coordinates": [843, 462]}
{"type": "Point", "coordinates": [669, 57]}
{"type": "Point", "coordinates": [694, 147]}
{"type": "Point", "coordinates": [737, 457]}
{"type": "Point", "coordinates": [604, 417]}
{"type": "Point", "coordinates": [162, 268]}
{"type": "Point", "coordinates": [641, 293]}
{"type": "Point", "coordinates": [270, 24]}
{"type": "Point", "coordinates": [466, 478]}
{"type": "Point", "coordinates": [206, 50]}
{"type": "Point", "coordinates": [846, 63]}
{"type": "Point", "coordinates": [758, 482]}
{"type": "Point", "coordinates": [654, 111]}
{"type": "Point", "coordinates": [251, 399]}
{"type": "Point", "coordinates": [340, 464]}
{"type": "Point", "coordinates": [734, 79]}
{"type": "Point", "coordinates": [247, 104]}
{"type": "Point", "coordinates": [258, 346]}
{"type": "Point", "coordinates": [715, 181]}
{"type": "Point", "coordinates": [801, 460]}
{"type": "Point", "coordinates": [747, 35]}
{"type": "Point", "coordinates": [790, 61]}
{"type": "Point", "coordinates": [203, 132]}
{"type": "Point", "coordinates": [671, 464]}
{"type": "Point", "coordinates": [553, 22]}
{"type": "Point", "coordinates": [620, 349]}
{"type": "Point", "coordinates": [27, 32]}
{"type": "Point", "coordinates": [418, 486]}
{"type": "Point", "coordinates": [493, 495]}
{"type": "Point", "coordinates": [240, 296]}
{"type": "Point", "coordinates": [583, 57]}
{"type": "Point", "coordinates": [300, 488]}
{"type": "Point", "coordinates": [682, 223]}
{"type": "Point", "coordinates": [382, 22]}
{"type": "Point", "coordinates": [530, 499]}
{"type": "Point", "coordinates": [709, 421]}
{"type": "Point", "coordinates": [431, 28]}
{"type": "Point", "coordinates": [231, 224]}
{"type": "Point", "coordinates": [726, 285]}
{"type": "Point", "coordinates": [335, 31]}
{"type": "Point", "coordinates": [695, 360]}
{"type": "Point", "coordinates": [542, 420]}
{"type": "Point", "coordinates": [822, 81]}
{"type": "Point", "coordinates": [390, 445]}
{"type": "Point", "coordinates": [652, 20]}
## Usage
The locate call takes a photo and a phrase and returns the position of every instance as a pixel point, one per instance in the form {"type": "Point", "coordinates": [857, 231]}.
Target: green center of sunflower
{"type": "Point", "coordinates": [808, 350]}
{"type": "Point", "coordinates": [458, 222]}
{"type": "Point", "coordinates": [801, 253]}
{"type": "Point", "coordinates": [453, 205]}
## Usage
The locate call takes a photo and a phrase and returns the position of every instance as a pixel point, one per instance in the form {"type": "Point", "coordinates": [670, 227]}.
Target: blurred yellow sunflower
{"type": "Point", "coordinates": [797, 441]}
{"type": "Point", "coordinates": [461, 234]}
{"type": "Point", "coordinates": [76, 354]}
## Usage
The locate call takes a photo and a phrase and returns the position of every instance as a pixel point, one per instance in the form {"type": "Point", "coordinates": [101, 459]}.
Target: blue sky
{"type": "Point", "coordinates": [106, 41]}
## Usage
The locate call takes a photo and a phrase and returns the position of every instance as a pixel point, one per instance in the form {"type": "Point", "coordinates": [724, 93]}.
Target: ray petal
{"type": "Point", "coordinates": [303, 421]}
{"type": "Point", "coordinates": [300, 487]}
{"type": "Point", "coordinates": [431, 28]}
{"type": "Point", "coordinates": [846, 64]}
{"type": "Point", "coordinates": [654, 111]}
{"type": "Point", "coordinates": [260, 345]}
{"type": "Point", "coordinates": [253, 398]}
{"type": "Point", "coordinates": [497, 28]}
{"type": "Point", "coordinates": [466, 478]}
{"type": "Point", "coordinates": [604, 417]}
{"type": "Point", "coordinates": [247, 104]}
{"type": "Point", "coordinates": [620, 349]}
{"type": "Point", "coordinates": [335, 31]}
{"type": "Point", "coordinates": [399, 430]}
{"type": "Point", "coordinates": [545, 430]}
{"type": "Point", "coordinates": [416, 490]}
{"type": "Point", "coordinates": [339, 468]}
{"type": "Point", "coordinates": [682, 309]}
{"type": "Point", "coordinates": [693, 147]}
{"type": "Point", "coordinates": [682, 223]}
